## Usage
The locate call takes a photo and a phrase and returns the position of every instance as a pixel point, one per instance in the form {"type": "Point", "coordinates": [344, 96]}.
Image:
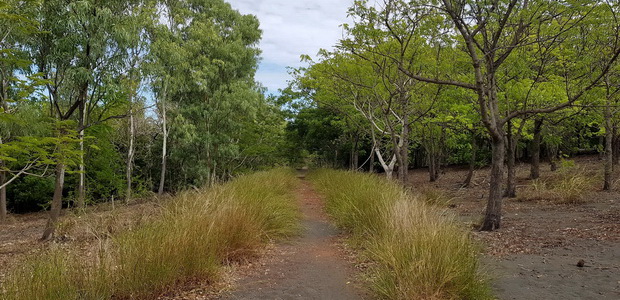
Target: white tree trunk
{"type": "Point", "coordinates": [162, 178]}
{"type": "Point", "coordinates": [3, 210]}
{"type": "Point", "coordinates": [82, 169]}
{"type": "Point", "coordinates": [130, 153]}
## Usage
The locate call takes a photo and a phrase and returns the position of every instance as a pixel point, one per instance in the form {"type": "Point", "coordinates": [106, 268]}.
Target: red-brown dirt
{"type": "Point", "coordinates": [309, 267]}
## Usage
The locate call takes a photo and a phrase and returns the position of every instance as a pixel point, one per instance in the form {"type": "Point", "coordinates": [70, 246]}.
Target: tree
{"type": "Point", "coordinates": [205, 56]}
{"type": "Point", "coordinates": [79, 52]}
{"type": "Point", "coordinates": [489, 34]}
{"type": "Point", "coordinates": [17, 24]}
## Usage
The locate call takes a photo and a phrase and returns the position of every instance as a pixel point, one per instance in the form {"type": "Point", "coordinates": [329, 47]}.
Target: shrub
{"type": "Point", "coordinates": [417, 252]}
{"type": "Point", "coordinates": [195, 234]}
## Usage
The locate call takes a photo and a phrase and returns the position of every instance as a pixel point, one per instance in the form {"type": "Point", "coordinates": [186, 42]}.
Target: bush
{"type": "Point", "coordinates": [417, 252]}
{"type": "Point", "coordinates": [197, 232]}
{"type": "Point", "coordinates": [29, 193]}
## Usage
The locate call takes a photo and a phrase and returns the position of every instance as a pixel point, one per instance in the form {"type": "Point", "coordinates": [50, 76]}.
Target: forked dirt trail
{"type": "Point", "coordinates": [309, 267]}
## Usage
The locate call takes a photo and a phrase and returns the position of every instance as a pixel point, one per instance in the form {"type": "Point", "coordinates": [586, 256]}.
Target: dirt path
{"type": "Point", "coordinates": [310, 267]}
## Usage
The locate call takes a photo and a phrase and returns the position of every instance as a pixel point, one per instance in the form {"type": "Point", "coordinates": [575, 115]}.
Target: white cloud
{"type": "Point", "coordinates": [292, 28]}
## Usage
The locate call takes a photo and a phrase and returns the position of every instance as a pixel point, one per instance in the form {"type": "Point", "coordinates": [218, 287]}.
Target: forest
{"type": "Point", "coordinates": [107, 100]}
{"type": "Point", "coordinates": [154, 105]}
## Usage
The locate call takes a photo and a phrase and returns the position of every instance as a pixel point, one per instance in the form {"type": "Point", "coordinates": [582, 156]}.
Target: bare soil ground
{"type": "Point", "coordinates": [19, 237]}
{"type": "Point", "coordinates": [535, 253]}
{"type": "Point", "coordinates": [309, 267]}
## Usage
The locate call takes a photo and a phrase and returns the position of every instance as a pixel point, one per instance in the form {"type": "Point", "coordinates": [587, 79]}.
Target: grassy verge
{"type": "Point", "coordinates": [416, 251]}
{"type": "Point", "coordinates": [197, 232]}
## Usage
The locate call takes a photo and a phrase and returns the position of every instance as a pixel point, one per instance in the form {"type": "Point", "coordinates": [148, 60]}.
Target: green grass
{"type": "Point", "coordinates": [195, 235]}
{"type": "Point", "coordinates": [417, 252]}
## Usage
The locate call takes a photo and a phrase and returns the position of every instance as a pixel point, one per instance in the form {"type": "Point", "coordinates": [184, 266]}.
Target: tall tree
{"type": "Point", "coordinates": [79, 52]}
{"type": "Point", "coordinates": [488, 33]}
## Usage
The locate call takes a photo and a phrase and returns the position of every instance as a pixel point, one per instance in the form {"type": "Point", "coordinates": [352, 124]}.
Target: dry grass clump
{"type": "Point", "coordinates": [568, 185]}
{"type": "Point", "coordinates": [195, 234]}
{"type": "Point", "coordinates": [417, 253]}
{"type": "Point", "coordinates": [432, 196]}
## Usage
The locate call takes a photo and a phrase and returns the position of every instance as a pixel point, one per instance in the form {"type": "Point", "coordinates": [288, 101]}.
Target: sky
{"type": "Point", "coordinates": [292, 28]}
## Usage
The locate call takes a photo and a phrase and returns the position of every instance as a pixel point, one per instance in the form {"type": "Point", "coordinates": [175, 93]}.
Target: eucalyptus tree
{"type": "Point", "coordinates": [80, 52]}
{"type": "Point", "coordinates": [137, 45]}
{"type": "Point", "coordinates": [17, 24]}
{"type": "Point", "coordinates": [204, 55]}
{"type": "Point", "coordinates": [489, 33]}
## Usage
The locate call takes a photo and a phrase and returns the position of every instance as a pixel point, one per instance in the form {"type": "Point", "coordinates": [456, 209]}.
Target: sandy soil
{"type": "Point", "coordinates": [535, 253]}
{"type": "Point", "coordinates": [310, 267]}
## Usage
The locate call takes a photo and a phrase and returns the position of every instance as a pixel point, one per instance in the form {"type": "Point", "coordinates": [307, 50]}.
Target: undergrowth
{"type": "Point", "coordinates": [569, 185]}
{"type": "Point", "coordinates": [416, 251]}
{"type": "Point", "coordinates": [196, 233]}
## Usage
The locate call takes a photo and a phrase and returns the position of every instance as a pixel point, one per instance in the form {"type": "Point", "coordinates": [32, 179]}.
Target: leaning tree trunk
{"type": "Point", "coordinates": [535, 167]}
{"type": "Point", "coordinates": [371, 166]}
{"type": "Point", "coordinates": [56, 206]}
{"type": "Point", "coordinates": [493, 214]}
{"type": "Point", "coordinates": [387, 167]}
{"type": "Point", "coordinates": [472, 162]}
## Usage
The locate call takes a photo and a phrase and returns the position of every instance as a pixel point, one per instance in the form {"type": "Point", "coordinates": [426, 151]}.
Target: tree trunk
{"type": "Point", "coordinates": [601, 152]}
{"type": "Point", "coordinates": [388, 168]}
{"type": "Point", "coordinates": [609, 135]}
{"type": "Point", "coordinates": [472, 161]}
{"type": "Point", "coordinates": [3, 209]}
{"type": "Point", "coordinates": [81, 203]}
{"type": "Point", "coordinates": [130, 154]}
{"type": "Point", "coordinates": [371, 167]}
{"type": "Point", "coordinates": [615, 147]}
{"type": "Point", "coordinates": [511, 147]}
{"type": "Point", "coordinates": [432, 172]}
{"type": "Point", "coordinates": [354, 157]}
{"type": "Point", "coordinates": [493, 214]}
{"type": "Point", "coordinates": [553, 155]}
{"type": "Point", "coordinates": [56, 206]}
{"type": "Point", "coordinates": [162, 178]}
{"type": "Point", "coordinates": [437, 165]}
{"type": "Point", "coordinates": [535, 166]}
{"type": "Point", "coordinates": [403, 164]}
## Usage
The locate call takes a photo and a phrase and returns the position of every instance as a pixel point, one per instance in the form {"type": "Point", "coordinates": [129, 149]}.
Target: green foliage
{"type": "Point", "coordinates": [104, 174]}
{"type": "Point", "coordinates": [417, 251]}
{"type": "Point", "coordinates": [30, 193]}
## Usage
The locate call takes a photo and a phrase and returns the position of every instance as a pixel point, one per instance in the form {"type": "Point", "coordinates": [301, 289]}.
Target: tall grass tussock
{"type": "Point", "coordinates": [197, 232]}
{"type": "Point", "coordinates": [416, 251]}
{"type": "Point", "coordinates": [569, 185]}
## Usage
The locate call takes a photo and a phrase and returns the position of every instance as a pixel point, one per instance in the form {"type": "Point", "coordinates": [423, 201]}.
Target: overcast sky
{"type": "Point", "coordinates": [292, 28]}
